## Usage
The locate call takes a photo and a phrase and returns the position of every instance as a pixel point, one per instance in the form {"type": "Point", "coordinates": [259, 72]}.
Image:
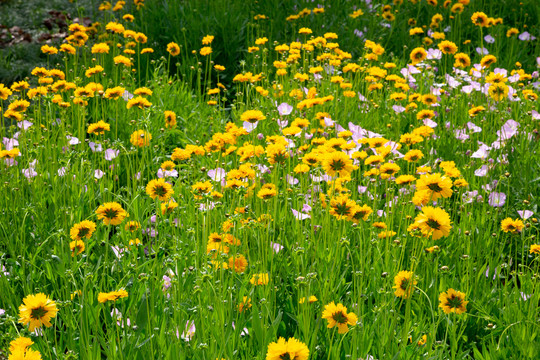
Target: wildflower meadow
{"type": "Point", "coordinates": [275, 180]}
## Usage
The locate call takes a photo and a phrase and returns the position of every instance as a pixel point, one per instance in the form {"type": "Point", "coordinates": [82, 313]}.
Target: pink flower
{"type": "Point", "coordinates": [285, 109]}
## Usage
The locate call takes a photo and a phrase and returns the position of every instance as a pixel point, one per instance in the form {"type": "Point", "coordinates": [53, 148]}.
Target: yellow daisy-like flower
{"type": "Point", "coordinates": [99, 128]}
{"type": "Point", "coordinates": [20, 343]}
{"type": "Point", "coordinates": [287, 349]}
{"type": "Point", "coordinates": [418, 55]}
{"type": "Point", "coordinates": [76, 247]}
{"type": "Point", "coordinates": [37, 310]}
{"type": "Point", "coordinates": [259, 279]}
{"type": "Point", "coordinates": [337, 163]}
{"type": "Point", "coordinates": [140, 138]}
{"type": "Point", "coordinates": [173, 49]}
{"type": "Point", "coordinates": [434, 222]}
{"type": "Point", "coordinates": [453, 301]}
{"type": "Point", "coordinates": [84, 229]}
{"type": "Point", "coordinates": [111, 213]}
{"type": "Point", "coordinates": [337, 315]}
{"type": "Point", "coordinates": [404, 284]}
{"type": "Point", "coordinates": [252, 116]}
{"type": "Point", "coordinates": [112, 296]}
{"type": "Point", "coordinates": [27, 354]}
{"type": "Point", "coordinates": [238, 263]}
{"type": "Point", "coordinates": [159, 188]}
{"type": "Point", "coordinates": [513, 226]}
{"type": "Point", "coordinates": [534, 249]}
{"type": "Point", "coordinates": [437, 185]}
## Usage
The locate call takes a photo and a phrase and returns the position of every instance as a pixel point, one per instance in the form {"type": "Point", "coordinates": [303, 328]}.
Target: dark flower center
{"type": "Point", "coordinates": [38, 313]}
{"type": "Point", "coordinates": [433, 224]}
{"type": "Point", "coordinates": [434, 187]}
{"type": "Point", "coordinates": [111, 213]}
{"type": "Point", "coordinates": [454, 302]}
{"type": "Point", "coordinates": [340, 318]}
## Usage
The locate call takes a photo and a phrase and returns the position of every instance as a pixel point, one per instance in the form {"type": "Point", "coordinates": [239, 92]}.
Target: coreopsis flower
{"type": "Point", "coordinates": [132, 226]}
{"type": "Point", "coordinates": [20, 343]}
{"type": "Point", "coordinates": [139, 102]}
{"type": "Point", "coordinates": [487, 61]}
{"type": "Point", "coordinates": [76, 247]}
{"type": "Point", "coordinates": [205, 51]}
{"type": "Point", "coordinates": [144, 91]}
{"type": "Point", "coordinates": [480, 19]}
{"type": "Point", "coordinates": [49, 50]}
{"type": "Point", "coordinates": [287, 349]}
{"type": "Point", "coordinates": [170, 119]}
{"type": "Point", "coordinates": [84, 229]}
{"type": "Point", "coordinates": [140, 138]}
{"type": "Point", "coordinates": [100, 48]}
{"type": "Point", "coordinates": [159, 189]}
{"type": "Point", "coordinates": [434, 222]}
{"type": "Point", "coordinates": [5, 92]}
{"type": "Point", "coordinates": [173, 49]}
{"type": "Point", "coordinates": [337, 163]}
{"type": "Point", "coordinates": [67, 48]}
{"type": "Point", "coordinates": [27, 354]}
{"type": "Point", "coordinates": [252, 116]}
{"type": "Point", "coordinates": [112, 296]}
{"type": "Point", "coordinates": [498, 91]}
{"type": "Point", "coordinates": [259, 279]}
{"type": "Point", "coordinates": [534, 249]}
{"type": "Point", "coordinates": [37, 310]}
{"type": "Point", "coordinates": [121, 59]}
{"type": "Point", "coordinates": [447, 47]}
{"type": "Point", "coordinates": [437, 185]}
{"type": "Point", "coordinates": [111, 213]}
{"type": "Point", "coordinates": [115, 27]}
{"type": "Point", "coordinates": [114, 93]}
{"type": "Point", "coordinates": [337, 315]}
{"type": "Point", "coordinates": [268, 191]}
{"type": "Point", "coordinates": [99, 128]}
{"type": "Point", "coordinates": [404, 284]}
{"type": "Point", "coordinates": [342, 207]}
{"type": "Point", "coordinates": [418, 55]}
{"type": "Point", "coordinates": [453, 301]}
{"type": "Point", "coordinates": [238, 263]}
{"type": "Point", "coordinates": [512, 226]}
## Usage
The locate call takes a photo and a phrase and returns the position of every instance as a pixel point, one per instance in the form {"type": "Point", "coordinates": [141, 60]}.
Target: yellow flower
{"type": "Point", "coordinates": [337, 163]}
{"type": "Point", "coordinates": [479, 19]}
{"type": "Point", "coordinates": [404, 284]}
{"type": "Point", "coordinates": [453, 301]}
{"type": "Point", "coordinates": [437, 185]}
{"type": "Point", "coordinates": [434, 222]}
{"type": "Point", "coordinates": [287, 349]}
{"type": "Point", "coordinates": [207, 50]}
{"type": "Point", "coordinates": [259, 279]}
{"type": "Point", "coordinates": [111, 213]}
{"type": "Point", "coordinates": [513, 226]}
{"type": "Point", "coordinates": [534, 249]}
{"type": "Point", "coordinates": [76, 247]}
{"type": "Point", "coordinates": [84, 229]}
{"type": "Point", "coordinates": [99, 128]}
{"type": "Point", "coordinates": [112, 296]}
{"type": "Point", "coordinates": [238, 263]}
{"type": "Point", "coordinates": [337, 315]}
{"type": "Point", "coordinates": [418, 55]}
{"type": "Point", "coordinates": [159, 188]}
{"type": "Point", "coordinates": [173, 49]}
{"type": "Point", "coordinates": [37, 310]}
{"type": "Point", "coordinates": [448, 47]}
{"type": "Point", "coordinates": [20, 343]}
{"type": "Point", "coordinates": [252, 116]}
{"type": "Point", "coordinates": [140, 138]}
